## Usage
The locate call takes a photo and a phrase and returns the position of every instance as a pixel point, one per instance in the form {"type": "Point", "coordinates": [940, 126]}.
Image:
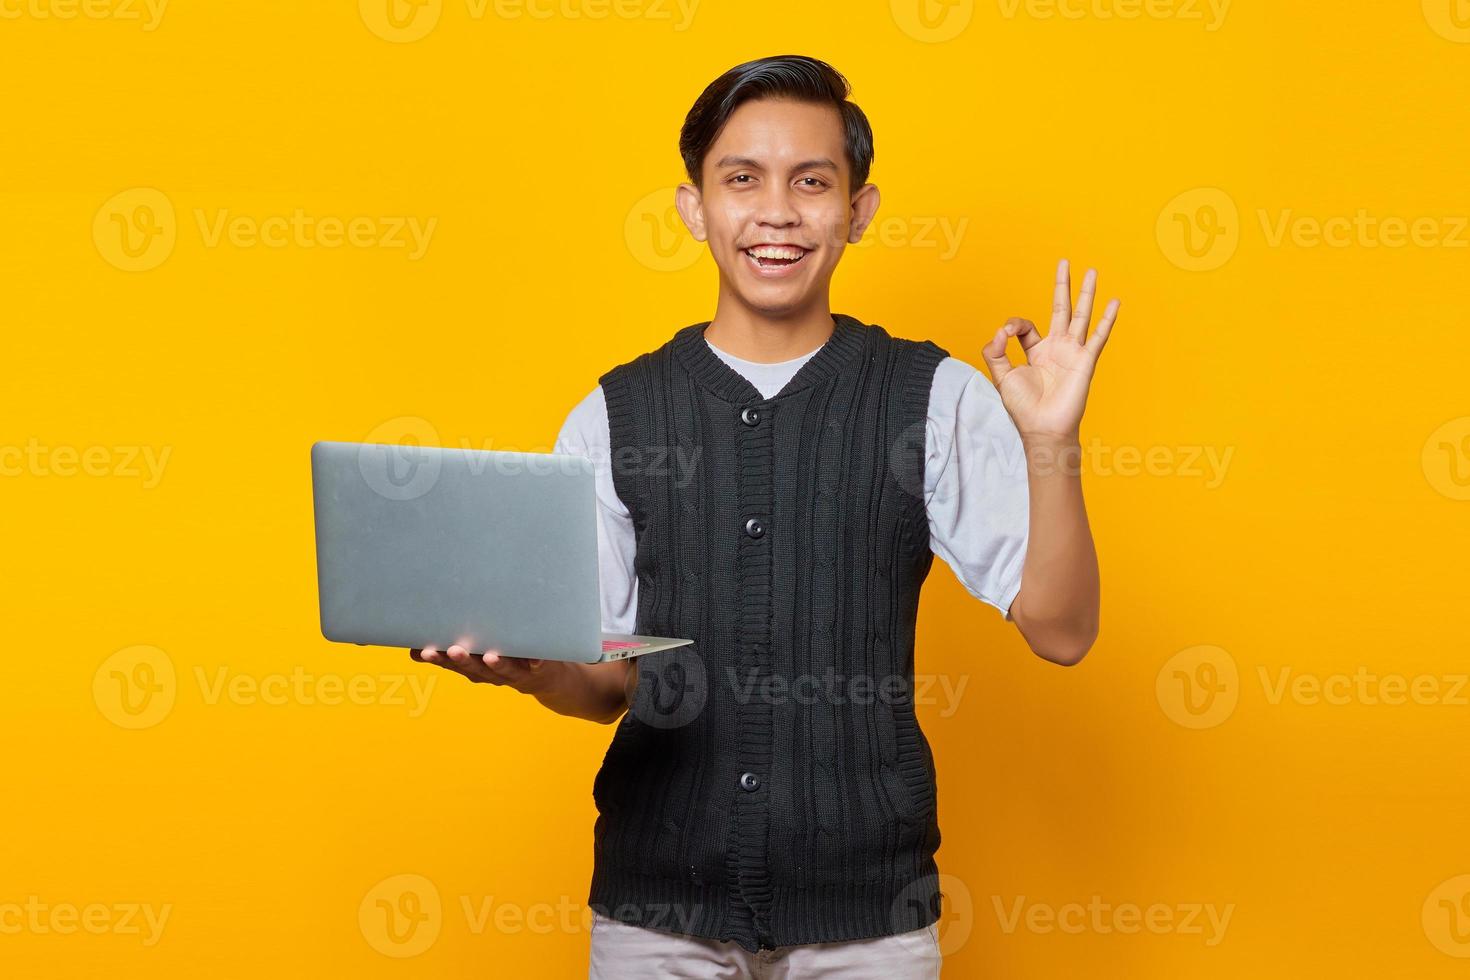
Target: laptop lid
{"type": "Point", "coordinates": [424, 546]}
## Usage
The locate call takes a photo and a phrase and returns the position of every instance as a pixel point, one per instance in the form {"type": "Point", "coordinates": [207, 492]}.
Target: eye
{"type": "Point", "coordinates": [740, 178]}
{"type": "Point", "coordinates": [816, 182]}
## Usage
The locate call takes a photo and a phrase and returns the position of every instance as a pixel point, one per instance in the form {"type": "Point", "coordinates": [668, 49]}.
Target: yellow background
{"type": "Point", "coordinates": [543, 148]}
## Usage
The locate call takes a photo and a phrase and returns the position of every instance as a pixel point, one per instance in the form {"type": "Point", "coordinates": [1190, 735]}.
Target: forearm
{"type": "Point", "coordinates": [595, 692]}
{"type": "Point", "coordinates": [1057, 607]}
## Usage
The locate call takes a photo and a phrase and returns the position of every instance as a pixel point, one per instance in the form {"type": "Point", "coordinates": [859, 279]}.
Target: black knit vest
{"type": "Point", "coordinates": [770, 784]}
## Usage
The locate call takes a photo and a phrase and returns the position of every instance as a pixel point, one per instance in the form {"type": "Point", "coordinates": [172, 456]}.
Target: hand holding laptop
{"type": "Point", "coordinates": [445, 551]}
{"type": "Point", "coordinates": [521, 673]}
{"type": "Point", "coordinates": [599, 692]}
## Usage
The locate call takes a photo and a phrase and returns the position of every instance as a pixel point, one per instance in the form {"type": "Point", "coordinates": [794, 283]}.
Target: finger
{"type": "Point", "coordinates": [471, 666]}
{"type": "Point", "coordinates": [517, 670]}
{"type": "Point", "coordinates": [429, 655]}
{"type": "Point", "coordinates": [459, 660]}
{"type": "Point", "coordinates": [1025, 331]}
{"type": "Point", "coordinates": [1099, 337]}
{"type": "Point", "coordinates": [995, 355]}
{"type": "Point", "coordinates": [1061, 302]}
{"type": "Point", "coordinates": [1083, 314]}
{"type": "Point", "coordinates": [439, 658]}
{"type": "Point", "coordinates": [509, 670]}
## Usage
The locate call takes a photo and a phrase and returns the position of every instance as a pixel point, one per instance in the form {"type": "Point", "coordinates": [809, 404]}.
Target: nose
{"type": "Point", "coordinates": [776, 208]}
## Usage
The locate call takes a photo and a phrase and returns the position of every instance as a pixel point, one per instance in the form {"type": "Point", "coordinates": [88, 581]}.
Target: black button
{"type": "Point", "coordinates": [749, 782]}
{"type": "Point", "coordinates": [750, 416]}
{"type": "Point", "coordinates": [754, 528]}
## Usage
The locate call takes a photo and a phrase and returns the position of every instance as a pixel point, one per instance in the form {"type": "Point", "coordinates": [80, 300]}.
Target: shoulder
{"type": "Point", "coordinates": [586, 424]}
{"type": "Point", "coordinates": [879, 336]}
{"type": "Point", "coordinates": [649, 360]}
{"type": "Point", "coordinates": [957, 381]}
{"type": "Point", "coordinates": [967, 417]}
{"type": "Point", "coordinates": [962, 400]}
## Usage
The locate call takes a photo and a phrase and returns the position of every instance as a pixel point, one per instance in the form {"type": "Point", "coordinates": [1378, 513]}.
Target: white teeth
{"type": "Point", "coordinates": [775, 252]}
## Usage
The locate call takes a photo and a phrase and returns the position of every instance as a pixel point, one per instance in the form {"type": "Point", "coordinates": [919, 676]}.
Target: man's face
{"type": "Point", "coordinates": [776, 208]}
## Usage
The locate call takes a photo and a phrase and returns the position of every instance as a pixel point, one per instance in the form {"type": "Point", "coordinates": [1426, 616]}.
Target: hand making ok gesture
{"type": "Point", "coordinates": [1046, 395]}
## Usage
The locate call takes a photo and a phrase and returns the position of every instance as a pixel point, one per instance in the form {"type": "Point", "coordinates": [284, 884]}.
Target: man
{"type": "Point", "coordinates": [767, 804]}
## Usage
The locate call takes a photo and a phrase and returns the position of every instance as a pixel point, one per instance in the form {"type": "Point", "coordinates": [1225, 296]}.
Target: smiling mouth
{"type": "Point", "coordinates": [776, 256]}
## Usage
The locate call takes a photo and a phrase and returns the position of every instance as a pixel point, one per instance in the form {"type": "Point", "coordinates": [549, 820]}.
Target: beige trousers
{"type": "Point", "coordinates": [626, 952]}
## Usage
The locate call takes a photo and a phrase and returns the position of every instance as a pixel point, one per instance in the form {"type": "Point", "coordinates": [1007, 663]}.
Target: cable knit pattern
{"type": "Point", "coordinates": [770, 784]}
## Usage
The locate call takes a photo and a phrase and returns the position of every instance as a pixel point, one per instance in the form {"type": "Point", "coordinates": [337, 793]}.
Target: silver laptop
{"type": "Point", "coordinates": [419, 547]}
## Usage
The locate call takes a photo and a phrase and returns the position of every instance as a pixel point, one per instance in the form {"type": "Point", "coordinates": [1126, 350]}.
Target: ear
{"type": "Point", "coordinates": [691, 208]}
{"type": "Point", "coordinates": [864, 206]}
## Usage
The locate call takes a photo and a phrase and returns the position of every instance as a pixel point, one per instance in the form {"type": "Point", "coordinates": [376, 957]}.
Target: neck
{"type": "Point", "coordinates": [755, 336]}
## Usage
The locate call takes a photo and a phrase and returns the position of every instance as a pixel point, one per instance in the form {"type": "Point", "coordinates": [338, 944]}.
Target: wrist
{"type": "Point", "coordinates": [1050, 439]}
{"type": "Point", "coordinates": [1052, 453]}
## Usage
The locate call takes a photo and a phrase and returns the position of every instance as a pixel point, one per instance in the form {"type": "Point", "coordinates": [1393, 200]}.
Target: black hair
{"type": "Point", "coordinates": [788, 76]}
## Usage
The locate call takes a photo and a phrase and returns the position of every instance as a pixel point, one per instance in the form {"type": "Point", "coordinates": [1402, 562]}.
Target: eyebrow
{"type": "Point", "coordinates": [818, 163]}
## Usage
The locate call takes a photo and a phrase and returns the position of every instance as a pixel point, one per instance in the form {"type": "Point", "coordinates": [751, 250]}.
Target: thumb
{"type": "Point", "coordinates": [995, 354]}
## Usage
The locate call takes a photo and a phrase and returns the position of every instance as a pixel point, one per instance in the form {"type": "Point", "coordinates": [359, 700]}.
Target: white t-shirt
{"type": "Point", "coordinates": [975, 487]}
